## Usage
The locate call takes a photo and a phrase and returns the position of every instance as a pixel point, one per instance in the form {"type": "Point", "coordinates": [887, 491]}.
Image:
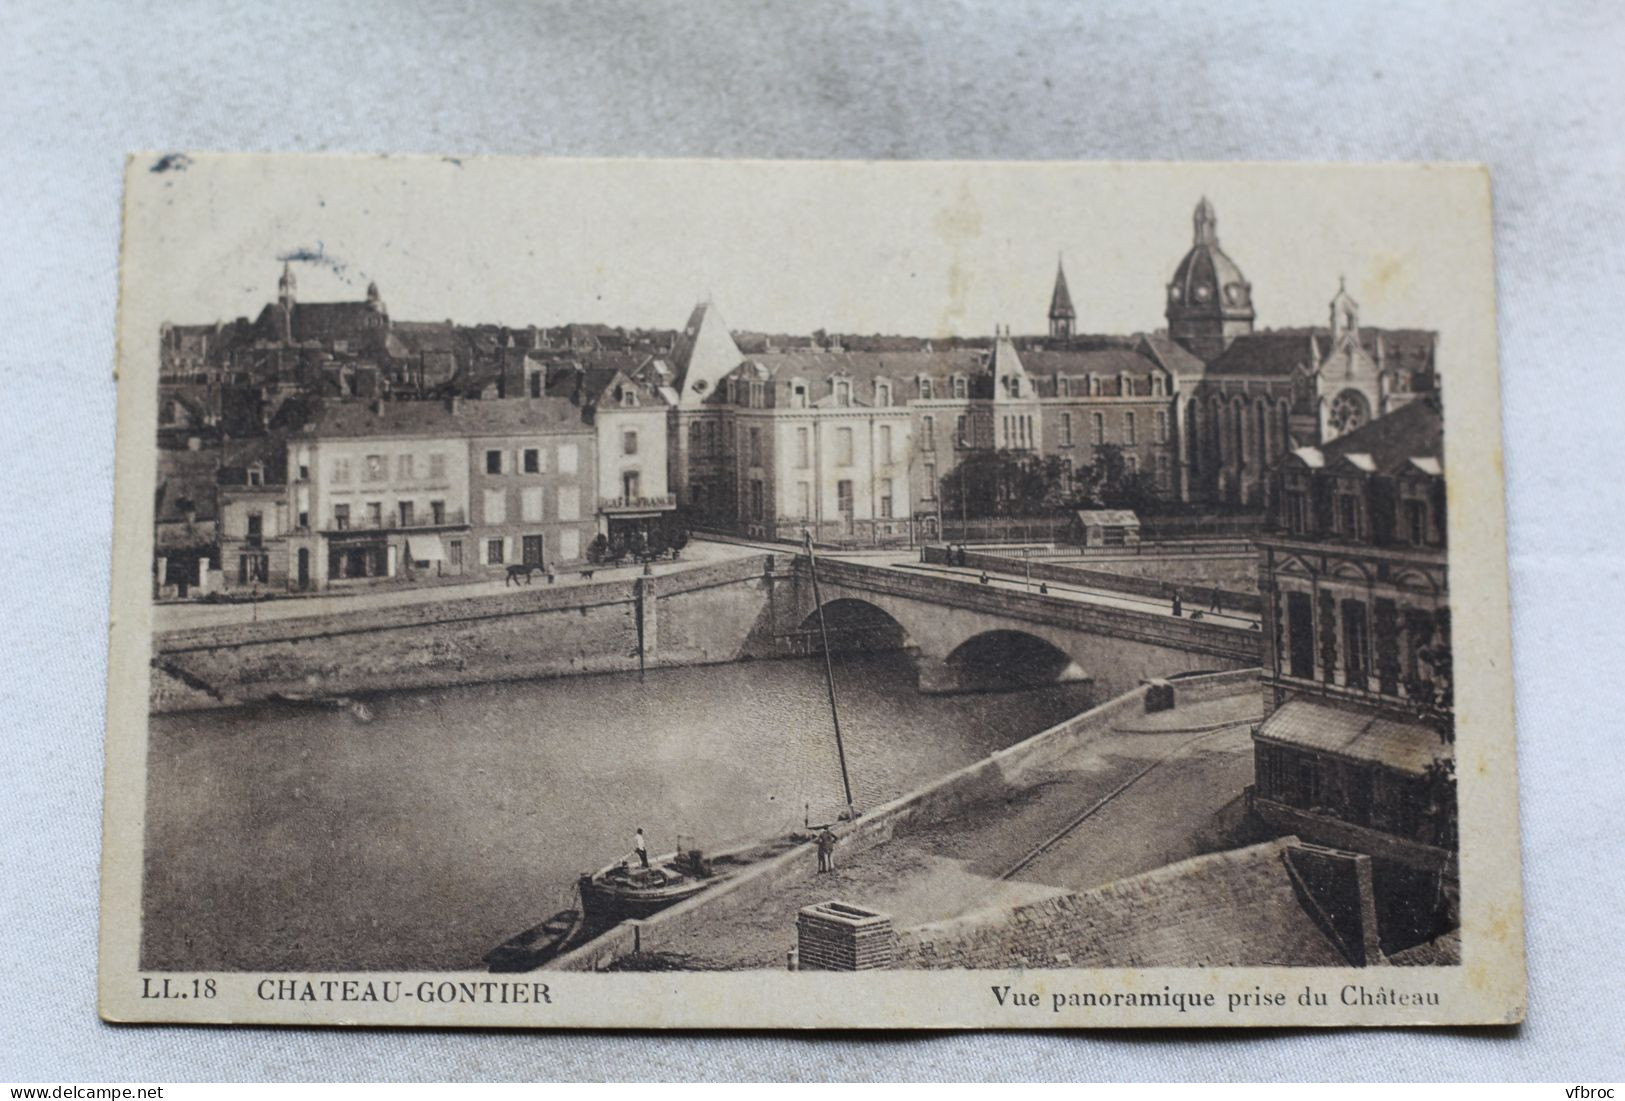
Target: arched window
{"type": "Point", "coordinates": [694, 437]}
{"type": "Point", "coordinates": [1283, 413]}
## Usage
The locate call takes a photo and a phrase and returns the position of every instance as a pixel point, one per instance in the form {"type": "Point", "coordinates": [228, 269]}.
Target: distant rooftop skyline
{"type": "Point", "coordinates": [793, 247]}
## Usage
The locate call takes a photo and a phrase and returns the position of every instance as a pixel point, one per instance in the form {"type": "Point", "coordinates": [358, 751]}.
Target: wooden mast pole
{"type": "Point", "coordinates": [829, 678]}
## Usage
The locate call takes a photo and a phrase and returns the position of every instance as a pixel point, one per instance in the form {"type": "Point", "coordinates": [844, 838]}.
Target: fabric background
{"type": "Point", "coordinates": [1533, 90]}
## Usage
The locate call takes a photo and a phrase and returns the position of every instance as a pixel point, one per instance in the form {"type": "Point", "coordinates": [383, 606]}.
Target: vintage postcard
{"type": "Point", "coordinates": [808, 594]}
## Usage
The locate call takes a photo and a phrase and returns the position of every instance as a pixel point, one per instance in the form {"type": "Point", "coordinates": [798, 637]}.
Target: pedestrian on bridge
{"type": "Point", "coordinates": [1214, 607]}
{"type": "Point", "coordinates": [1178, 604]}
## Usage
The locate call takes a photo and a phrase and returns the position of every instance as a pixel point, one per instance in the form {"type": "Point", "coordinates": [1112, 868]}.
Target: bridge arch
{"type": "Point", "coordinates": [1006, 659]}
{"type": "Point", "coordinates": [853, 625]}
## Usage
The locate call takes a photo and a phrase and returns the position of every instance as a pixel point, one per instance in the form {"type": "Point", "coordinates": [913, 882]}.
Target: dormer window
{"type": "Point", "coordinates": [843, 392]}
{"type": "Point", "coordinates": [1348, 509]}
{"type": "Point", "coordinates": [798, 395]}
{"type": "Point", "coordinates": [1295, 504]}
{"type": "Point", "coordinates": [925, 389]}
{"type": "Point", "coordinates": [961, 387]}
{"type": "Point", "coordinates": [1416, 521]}
{"type": "Point", "coordinates": [758, 395]}
{"type": "Point", "coordinates": [882, 393]}
{"type": "Point", "coordinates": [256, 474]}
{"type": "Point", "coordinates": [1415, 513]}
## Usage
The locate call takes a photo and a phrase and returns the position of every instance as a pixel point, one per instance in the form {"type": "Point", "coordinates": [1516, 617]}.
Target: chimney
{"type": "Point", "coordinates": [581, 383]}
{"type": "Point", "coordinates": [837, 936]}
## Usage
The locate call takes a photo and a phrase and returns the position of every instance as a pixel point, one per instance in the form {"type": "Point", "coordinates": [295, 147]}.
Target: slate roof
{"type": "Point", "coordinates": [1060, 301]}
{"type": "Point", "coordinates": [1271, 354]}
{"type": "Point", "coordinates": [186, 476]}
{"type": "Point", "coordinates": [1441, 951]}
{"type": "Point", "coordinates": [1364, 736]}
{"type": "Point", "coordinates": [1228, 909]}
{"type": "Point", "coordinates": [1278, 352]}
{"type": "Point", "coordinates": [1174, 356]}
{"type": "Point", "coordinates": [867, 366]}
{"type": "Point", "coordinates": [492, 417]}
{"type": "Point", "coordinates": [238, 454]}
{"type": "Point", "coordinates": [1109, 517]}
{"type": "Point", "coordinates": [1413, 431]}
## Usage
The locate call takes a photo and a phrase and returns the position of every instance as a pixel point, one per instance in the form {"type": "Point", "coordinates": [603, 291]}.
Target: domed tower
{"type": "Point", "coordinates": [1210, 302]}
{"type": "Point", "coordinates": [1061, 314]}
{"type": "Point", "coordinates": [374, 301]}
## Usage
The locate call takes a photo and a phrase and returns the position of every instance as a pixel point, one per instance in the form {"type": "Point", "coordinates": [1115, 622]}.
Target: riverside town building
{"type": "Point", "coordinates": [1356, 750]}
{"type": "Point", "coordinates": [330, 444]}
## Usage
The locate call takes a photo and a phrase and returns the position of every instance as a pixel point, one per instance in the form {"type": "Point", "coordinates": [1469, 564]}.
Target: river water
{"type": "Point", "coordinates": [284, 839]}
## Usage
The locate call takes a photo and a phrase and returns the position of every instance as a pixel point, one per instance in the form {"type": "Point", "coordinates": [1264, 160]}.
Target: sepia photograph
{"type": "Point", "coordinates": [638, 592]}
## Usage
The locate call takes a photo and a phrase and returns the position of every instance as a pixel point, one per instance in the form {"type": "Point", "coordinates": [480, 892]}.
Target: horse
{"type": "Point", "coordinates": [523, 570]}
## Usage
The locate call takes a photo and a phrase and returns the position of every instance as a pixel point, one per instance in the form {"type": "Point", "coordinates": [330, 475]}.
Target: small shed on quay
{"type": "Point", "coordinates": [1106, 527]}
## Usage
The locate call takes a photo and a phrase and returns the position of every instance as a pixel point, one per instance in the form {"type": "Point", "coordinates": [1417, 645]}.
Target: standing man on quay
{"type": "Point", "coordinates": [640, 847]}
{"type": "Point", "coordinates": [826, 850]}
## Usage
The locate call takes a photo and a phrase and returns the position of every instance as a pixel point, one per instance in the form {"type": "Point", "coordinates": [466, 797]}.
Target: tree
{"type": "Point", "coordinates": [1005, 483]}
{"type": "Point", "coordinates": [657, 543]}
{"type": "Point", "coordinates": [677, 538]}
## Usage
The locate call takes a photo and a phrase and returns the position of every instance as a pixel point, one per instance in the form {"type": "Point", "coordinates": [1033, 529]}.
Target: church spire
{"type": "Point", "coordinates": [1345, 311]}
{"type": "Point", "coordinates": [1061, 313]}
{"type": "Point", "coordinates": [286, 287]}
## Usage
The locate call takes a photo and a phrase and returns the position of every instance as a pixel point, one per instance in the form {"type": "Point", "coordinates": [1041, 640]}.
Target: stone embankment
{"type": "Point", "coordinates": [747, 921]}
{"type": "Point", "coordinates": [722, 612]}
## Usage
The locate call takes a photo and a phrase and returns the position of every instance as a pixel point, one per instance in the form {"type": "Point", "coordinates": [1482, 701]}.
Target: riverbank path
{"type": "Point", "coordinates": [178, 615]}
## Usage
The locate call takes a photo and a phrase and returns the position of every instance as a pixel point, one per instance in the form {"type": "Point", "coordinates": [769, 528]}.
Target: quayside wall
{"type": "Point", "coordinates": [937, 802]}
{"type": "Point", "coordinates": [724, 612]}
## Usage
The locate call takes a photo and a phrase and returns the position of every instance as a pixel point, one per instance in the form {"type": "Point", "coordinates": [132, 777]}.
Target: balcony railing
{"type": "Point", "coordinates": [391, 521]}
{"type": "Point", "coordinates": [662, 502]}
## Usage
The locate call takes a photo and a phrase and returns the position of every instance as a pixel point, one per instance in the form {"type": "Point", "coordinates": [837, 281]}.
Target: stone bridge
{"type": "Point", "coordinates": [967, 637]}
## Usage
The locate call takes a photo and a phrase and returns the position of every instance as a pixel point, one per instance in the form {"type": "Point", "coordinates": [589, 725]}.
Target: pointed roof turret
{"type": "Point", "coordinates": [704, 354]}
{"type": "Point", "coordinates": [1009, 373]}
{"type": "Point", "coordinates": [1060, 302]}
{"type": "Point", "coordinates": [1345, 311]}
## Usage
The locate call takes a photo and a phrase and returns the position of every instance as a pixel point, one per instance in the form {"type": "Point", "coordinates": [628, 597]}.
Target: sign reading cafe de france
{"type": "Point", "coordinates": [751, 594]}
